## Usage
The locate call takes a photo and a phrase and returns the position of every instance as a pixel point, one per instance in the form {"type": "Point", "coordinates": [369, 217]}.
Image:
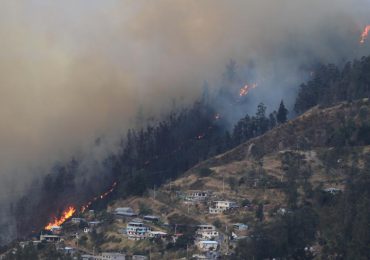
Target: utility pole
{"type": "Point", "coordinates": [227, 241]}
{"type": "Point", "coordinates": [223, 183]}
{"type": "Point", "coordinates": [171, 189]}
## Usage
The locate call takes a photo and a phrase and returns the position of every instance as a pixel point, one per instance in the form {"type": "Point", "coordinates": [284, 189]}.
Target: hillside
{"type": "Point", "coordinates": [256, 175]}
{"type": "Point", "coordinates": [318, 127]}
{"type": "Point", "coordinates": [277, 176]}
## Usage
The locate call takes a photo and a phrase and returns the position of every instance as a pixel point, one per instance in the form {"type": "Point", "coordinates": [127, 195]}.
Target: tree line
{"type": "Point", "coordinates": [330, 84]}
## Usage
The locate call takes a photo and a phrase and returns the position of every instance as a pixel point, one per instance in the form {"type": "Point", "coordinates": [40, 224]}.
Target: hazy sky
{"type": "Point", "coordinates": [73, 70]}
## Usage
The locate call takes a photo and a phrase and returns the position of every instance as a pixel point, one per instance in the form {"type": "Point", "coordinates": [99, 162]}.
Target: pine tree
{"type": "Point", "coordinates": [259, 212]}
{"type": "Point", "coordinates": [282, 113]}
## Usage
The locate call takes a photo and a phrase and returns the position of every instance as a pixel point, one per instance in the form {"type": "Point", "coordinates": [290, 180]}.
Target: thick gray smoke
{"type": "Point", "coordinates": [71, 71]}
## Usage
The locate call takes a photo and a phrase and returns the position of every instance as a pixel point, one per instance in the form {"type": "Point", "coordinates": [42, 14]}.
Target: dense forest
{"type": "Point", "coordinates": [331, 84]}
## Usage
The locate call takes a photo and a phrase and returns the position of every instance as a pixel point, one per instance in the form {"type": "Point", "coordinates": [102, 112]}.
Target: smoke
{"type": "Point", "coordinates": [71, 71]}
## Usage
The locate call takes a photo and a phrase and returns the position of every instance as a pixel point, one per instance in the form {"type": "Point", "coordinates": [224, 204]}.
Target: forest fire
{"type": "Point", "coordinates": [68, 213]}
{"type": "Point", "coordinates": [365, 34]}
{"type": "Point", "coordinates": [101, 196]}
{"type": "Point", "coordinates": [245, 90]}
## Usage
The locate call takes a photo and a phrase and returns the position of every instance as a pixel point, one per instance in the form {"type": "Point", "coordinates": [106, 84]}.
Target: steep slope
{"type": "Point", "coordinates": [318, 127]}
{"type": "Point", "coordinates": [313, 151]}
{"type": "Point", "coordinates": [271, 178]}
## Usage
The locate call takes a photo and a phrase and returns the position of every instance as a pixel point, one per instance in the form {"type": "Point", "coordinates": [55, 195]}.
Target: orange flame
{"type": "Point", "coordinates": [68, 213]}
{"type": "Point", "coordinates": [365, 34]}
{"type": "Point", "coordinates": [245, 90]}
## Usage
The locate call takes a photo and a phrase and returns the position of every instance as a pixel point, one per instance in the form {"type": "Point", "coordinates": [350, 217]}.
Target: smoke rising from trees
{"type": "Point", "coordinates": [72, 71]}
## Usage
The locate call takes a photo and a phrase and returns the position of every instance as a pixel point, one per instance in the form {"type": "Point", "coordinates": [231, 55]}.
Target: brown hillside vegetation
{"type": "Point", "coordinates": [254, 174]}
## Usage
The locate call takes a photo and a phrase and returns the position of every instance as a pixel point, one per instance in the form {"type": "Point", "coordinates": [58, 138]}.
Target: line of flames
{"type": "Point", "coordinates": [70, 210]}
{"type": "Point", "coordinates": [67, 214]}
{"type": "Point", "coordinates": [365, 34]}
{"type": "Point", "coordinates": [245, 90]}
{"type": "Point", "coordinates": [102, 196]}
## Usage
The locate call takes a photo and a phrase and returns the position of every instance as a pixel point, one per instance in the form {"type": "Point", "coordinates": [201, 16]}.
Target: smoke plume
{"type": "Point", "coordinates": [71, 71]}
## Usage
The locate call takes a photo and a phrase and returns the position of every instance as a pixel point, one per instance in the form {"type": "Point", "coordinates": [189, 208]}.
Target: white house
{"type": "Point", "coordinates": [94, 223]}
{"type": "Point", "coordinates": [105, 256]}
{"type": "Point", "coordinates": [49, 238]}
{"type": "Point", "coordinates": [77, 220]}
{"type": "Point", "coordinates": [125, 212]}
{"type": "Point", "coordinates": [112, 256]}
{"type": "Point", "coordinates": [207, 232]}
{"type": "Point", "coordinates": [87, 257]}
{"type": "Point", "coordinates": [221, 206]}
{"type": "Point", "coordinates": [69, 250]}
{"type": "Point", "coordinates": [195, 196]}
{"type": "Point", "coordinates": [56, 230]}
{"type": "Point", "coordinates": [136, 230]}
{"type": "Point", "coordinates": [157, 234]}
{"type": "Point", "coordinates": [207, 245]}
{"type": "Point", "coordinates": [240, 226]}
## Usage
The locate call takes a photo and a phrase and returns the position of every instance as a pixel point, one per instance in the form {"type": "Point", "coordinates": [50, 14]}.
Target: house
{"type": "Point", "coordinates": [157, 234]}
{"type": "Point", "coordinates": [221, 206]}
{"type": "Point", "coordinates": [139, 257]}
{"type": "Point", "coordinates": [22, 244]}
{"type": "Point", "coordinates": [136, 230]}
{"type": "Point", "coordinates": [150, 218]}
{"type": "Point", "coordinates": [77, 220]}
{"type": "Point", "coordinates": [207, 245]}
{"type": "Point", "coordinates": [87, 257]}
{"type": "Point", "coordinates": [124, 212]}
{"type": "Point", "coordinates": [210, 255]}
{"type": "Point", "coordinates": [49, 238]}
{"type": "Point", "coordinates": [199, 257]}
{"type": "Point", "coordinates": [332, 190]}
{"type": "Point", "coordinates": [105, 256]}
{"type": "Point", "coordinates": [196, 196]}
{"type": "Point", "coordinates": [240, 226]}
{"type": "Point", "coordinates": [56, 230]}
{"type": "Point", "coordinates": [94, 223]}
{"type": "Point", "coordinates": [69, 250]}
{"type": "Point", "coordinates": [87, 230]}
{"type": "Point", "coordinates": [207, 232]}
{"type": "Point", "coordinates": [112, 256]}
